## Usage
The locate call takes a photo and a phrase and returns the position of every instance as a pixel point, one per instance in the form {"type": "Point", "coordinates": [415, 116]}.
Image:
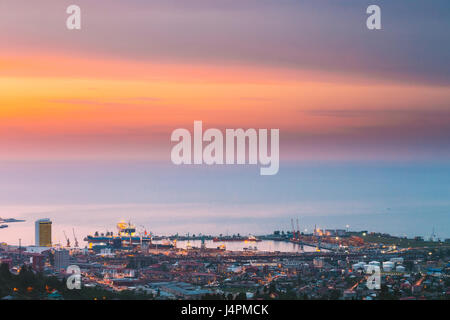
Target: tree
{"type": "Point", "coordinates": [241, 296]}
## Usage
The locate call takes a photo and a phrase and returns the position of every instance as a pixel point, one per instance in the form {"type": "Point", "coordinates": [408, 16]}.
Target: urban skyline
{"type": "Point", "coordinates": [317, 149]}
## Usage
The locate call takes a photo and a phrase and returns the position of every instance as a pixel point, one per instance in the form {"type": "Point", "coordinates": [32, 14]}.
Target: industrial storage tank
{"type": "Point", "coordinates": [388, 266]}
{"type": "Point", "coordinates": [396, 260]}
{"type": "Point", "coordinates": [358, 266]}
{"type": "Point", "coordinates": [374, 263]}
{"type": "Point", "coordinates": [400, 269]}
{"type": "Point", "coordinates": [355, 266]}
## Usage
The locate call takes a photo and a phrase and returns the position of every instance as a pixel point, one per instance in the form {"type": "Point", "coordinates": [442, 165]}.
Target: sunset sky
{"type": "Point", "coordinates": [103, 101]}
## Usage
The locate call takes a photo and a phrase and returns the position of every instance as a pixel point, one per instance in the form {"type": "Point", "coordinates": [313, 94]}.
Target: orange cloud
{"type": "Point", "coordinates": [59, 102]}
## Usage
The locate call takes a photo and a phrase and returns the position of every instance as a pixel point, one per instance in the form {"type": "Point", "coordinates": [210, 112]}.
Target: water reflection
{"type": "Point", "coordinates": [265, 245]}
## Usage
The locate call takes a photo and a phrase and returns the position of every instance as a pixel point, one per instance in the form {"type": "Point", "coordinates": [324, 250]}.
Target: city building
{"type": "Point", "coordinates": [61, 259]}
{"type": "Point", "coordinates": [43, 233]}
{"type": "Point", "coordinates": [181, 290]}
{"type": "Point", "coordinates": [335, 232]}
{"type": "Point", "coordinates": [37, 260]}
{"type": "Point", "coordinates": [318, 262]}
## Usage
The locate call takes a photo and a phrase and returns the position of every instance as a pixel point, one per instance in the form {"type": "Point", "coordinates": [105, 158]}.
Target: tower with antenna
{"type": "Point", "coordinates": [294, 238]}
{"type": "Point", "coordinates": [433, 235]}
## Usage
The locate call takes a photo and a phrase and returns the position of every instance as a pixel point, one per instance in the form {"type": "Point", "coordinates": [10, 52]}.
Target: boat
{"type": "Point", "coordinates": [126, 237]}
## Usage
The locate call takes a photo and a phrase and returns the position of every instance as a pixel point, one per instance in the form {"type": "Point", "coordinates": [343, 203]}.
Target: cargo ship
{"type": "Point", "coordinates": [125, 238]}
{"type": "Point", "coordinates": [237, 238]}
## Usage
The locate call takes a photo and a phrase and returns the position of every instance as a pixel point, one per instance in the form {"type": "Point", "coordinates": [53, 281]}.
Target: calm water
{"type": "Point", "coordinates": [265, 245]}
{"type": "Point", "coordinates": [403, 200]}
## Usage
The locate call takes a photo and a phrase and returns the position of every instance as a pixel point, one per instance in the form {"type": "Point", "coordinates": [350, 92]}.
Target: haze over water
{"type": "Point", "coordinates": [86, 116]}
{"type": "Point", "coordinates": [393, 198]}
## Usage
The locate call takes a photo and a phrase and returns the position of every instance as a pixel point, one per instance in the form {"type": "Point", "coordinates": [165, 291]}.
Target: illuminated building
{"type": "Point", "coordinates": [43, 233]}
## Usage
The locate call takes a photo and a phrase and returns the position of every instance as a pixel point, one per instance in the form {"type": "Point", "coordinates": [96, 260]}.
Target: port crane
{"type": "Point", "coordinates": [67, 240]}
{"type": "Point", "coordinates": [75, 238]}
